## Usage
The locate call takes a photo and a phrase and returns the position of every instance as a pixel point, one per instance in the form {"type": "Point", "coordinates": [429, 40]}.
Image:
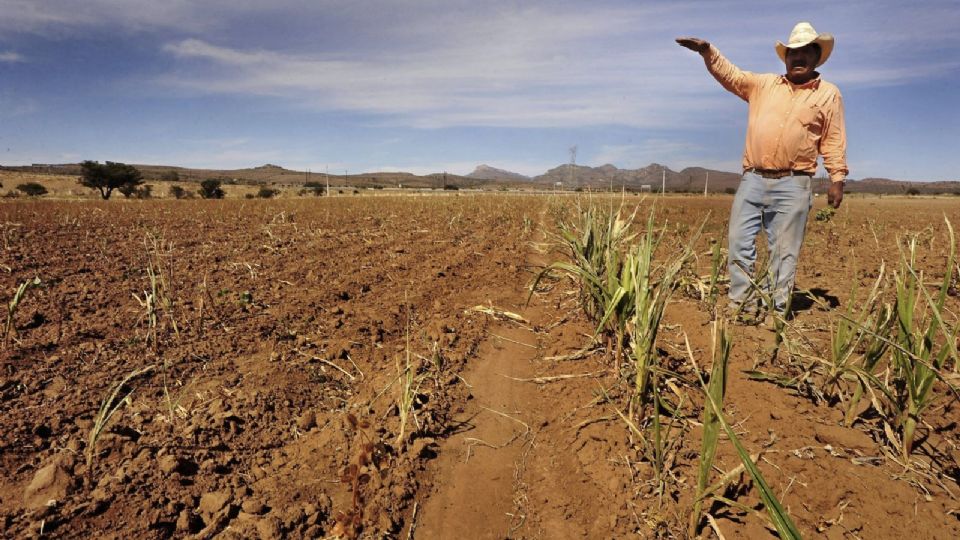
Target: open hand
{"type": "Point", "coordinates": [694, 44]}
{"type": "Point", "coordinates": [835, 194]}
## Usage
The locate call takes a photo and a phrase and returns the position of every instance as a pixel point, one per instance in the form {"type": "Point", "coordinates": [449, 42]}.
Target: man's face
{"type": "Point", "coordinates": [802, 62]}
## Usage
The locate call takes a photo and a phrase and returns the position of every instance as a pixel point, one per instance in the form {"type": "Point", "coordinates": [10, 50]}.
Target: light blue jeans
{"type": "Point", "coordinates": [780, 207]}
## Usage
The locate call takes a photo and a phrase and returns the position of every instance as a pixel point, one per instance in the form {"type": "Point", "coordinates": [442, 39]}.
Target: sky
{"type": "Point", "coordinates": [444, 85]}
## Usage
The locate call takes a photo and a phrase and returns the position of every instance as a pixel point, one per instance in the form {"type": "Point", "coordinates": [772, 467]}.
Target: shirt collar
{"type": "Point", "coordinates": [813, 83]}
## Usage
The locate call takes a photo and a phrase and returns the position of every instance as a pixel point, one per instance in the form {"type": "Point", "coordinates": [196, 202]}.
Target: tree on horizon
{"type": "Point", "coordinates": [109, 176]}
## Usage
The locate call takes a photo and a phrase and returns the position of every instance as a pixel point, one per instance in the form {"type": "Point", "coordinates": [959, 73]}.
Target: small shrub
{"type": "Point", "coordinates": [267, 193]}
{"type": "Point", "coordinates": [32, 189]}
{"type": "Point", "coordinates": [316, 188]}
{"type": "Point", "coordinates": [177, 192]}
{"type": "Point", "coordinates": [730, 191]}
{"type": "Point", "coordinates": [210, 189]}
{"type": "Point", "coordinates": [913, 191]}
{"type": "Point", "coordinates": [825, 214]}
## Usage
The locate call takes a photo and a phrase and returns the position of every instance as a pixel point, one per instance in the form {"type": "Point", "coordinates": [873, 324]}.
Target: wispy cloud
{"type": "Point", "coordinates": [539, 75]}
{"type": "Point", "coordinates": [11, 57]}
{"type": "Point", "coordinates": [56, 18]}
{"type": "Point", "coordinates": [12, 105]}
{"type": "Point", "coordinates": [893, 75]}
{"type": "Point", "coordinates": [539, 66]}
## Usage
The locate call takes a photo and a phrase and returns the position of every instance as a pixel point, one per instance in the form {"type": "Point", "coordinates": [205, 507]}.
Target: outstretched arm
{"type": "Point", "coordinates": [730, 76]}
{"type": "Point", "coordinates": [694, 44]}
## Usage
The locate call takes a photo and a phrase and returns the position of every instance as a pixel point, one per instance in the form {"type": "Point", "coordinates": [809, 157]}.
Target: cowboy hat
{"type": "Point", "coordinates": [804, 34]}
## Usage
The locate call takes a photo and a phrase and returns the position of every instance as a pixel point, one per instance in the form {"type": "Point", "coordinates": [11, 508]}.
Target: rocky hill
{"type": "Point", "coordinates": [654, 176]}
{"type": "Point", "coordinates": [486, 172]}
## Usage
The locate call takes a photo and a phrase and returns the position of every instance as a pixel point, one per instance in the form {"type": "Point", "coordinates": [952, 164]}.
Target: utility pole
{"type": "Point", "coordinates": [327, 176]}
{"type": "Point", "coordinates": [663, 183]}
{"type": "Point", "coordinates": [706, 183]}
{"type": "Point", "coordinates": [573, 163]}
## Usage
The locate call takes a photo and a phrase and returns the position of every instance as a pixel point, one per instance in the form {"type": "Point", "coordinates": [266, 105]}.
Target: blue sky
{"type": "Point", "coordinates": [427, 86]}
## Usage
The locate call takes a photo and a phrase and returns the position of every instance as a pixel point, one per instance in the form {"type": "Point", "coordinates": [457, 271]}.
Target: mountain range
{"type": "Point", "coordinates": [653, 177]}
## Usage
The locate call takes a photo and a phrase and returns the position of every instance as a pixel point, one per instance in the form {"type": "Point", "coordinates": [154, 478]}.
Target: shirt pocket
{"type": "Point", "coordinates": [810, 118]}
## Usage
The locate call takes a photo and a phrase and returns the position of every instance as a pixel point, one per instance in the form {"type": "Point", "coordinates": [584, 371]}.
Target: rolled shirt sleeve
{"type": "Point", "coordinates": [833, 144]}
{"type": "Point", "coordinates": [789, 126]}
{"type": "Point", "coordinates": [728, 75]}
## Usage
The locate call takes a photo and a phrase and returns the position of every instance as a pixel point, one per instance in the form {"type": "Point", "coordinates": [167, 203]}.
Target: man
{"type": "Point", "coordinates": [793, 119]}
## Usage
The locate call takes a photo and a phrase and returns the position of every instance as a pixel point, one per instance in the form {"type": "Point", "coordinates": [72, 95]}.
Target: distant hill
{"type": "Point", "coordinates": [887, 186]}
{"type": "Point", "coordinates": [568, 177]}
{"type": "Point", "coordinates": [275, 175]}
{"type": "Point", "coordinates": [655, 176]}
{"type": "Point", "coordinates": [486, 172]}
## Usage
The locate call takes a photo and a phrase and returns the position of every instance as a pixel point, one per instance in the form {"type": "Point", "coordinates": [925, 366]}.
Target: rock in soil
{"type": "Point", "coordinates": [307, 421]}
{"type": "Point", "coordinates": [213, 502]}
{"type": "Point", "coordinates": [51, 483]}
{"type": "Point", "coordinates": [269, 527]}
{"type": "Point", "coordinates": [254, 506]}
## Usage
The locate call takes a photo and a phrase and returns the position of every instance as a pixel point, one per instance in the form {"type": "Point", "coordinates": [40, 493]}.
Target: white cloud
{"type": "Point", "coordinates": [12, 105]}
{"type": "Point", "coordinates": [56, 18]}
{"type": "Point", "coordinates": [11, 57]}
{"type": "Point", "coordinates": [892, 75]}
{"type": "Point", "coordinates": [452, 85]}
{"type": "Point", "coordinates": [542, 66]}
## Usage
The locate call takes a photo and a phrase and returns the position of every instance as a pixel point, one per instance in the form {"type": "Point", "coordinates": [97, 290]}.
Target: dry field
{"type": "Point", "coordinates": [370, 367]}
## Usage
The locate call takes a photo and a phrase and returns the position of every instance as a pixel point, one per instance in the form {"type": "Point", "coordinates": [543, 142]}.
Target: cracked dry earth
{"type": "Point", "coordinates": [267, 396]}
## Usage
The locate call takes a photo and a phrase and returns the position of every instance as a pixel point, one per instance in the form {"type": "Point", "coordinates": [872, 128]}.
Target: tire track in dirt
{"type": "Point", "coordinates": [510, 470]}
{"type": "Point", "coordinates": [477, 471]}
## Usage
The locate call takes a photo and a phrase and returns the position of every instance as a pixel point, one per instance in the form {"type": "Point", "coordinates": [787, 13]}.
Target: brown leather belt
{"type": "Point", "coordinates": [774, 173]}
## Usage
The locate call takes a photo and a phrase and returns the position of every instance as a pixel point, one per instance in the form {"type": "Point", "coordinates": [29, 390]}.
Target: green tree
{"type": "Point", "coordinates": [32, 189]}
{"type": "Point", "coordinates": [109, 176]}
{"type": "Point", "coordinates": [210, 189]}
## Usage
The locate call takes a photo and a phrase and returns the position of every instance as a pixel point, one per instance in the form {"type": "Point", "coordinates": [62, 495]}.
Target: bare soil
{"type": "Point", "coordinates": [289, 320]}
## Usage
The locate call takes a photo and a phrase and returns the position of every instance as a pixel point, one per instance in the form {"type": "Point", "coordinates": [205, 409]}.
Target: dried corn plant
{"type": "Point", "coordinates": [713, 423]}
{"type": "Point", "coordinates": [13, 305]}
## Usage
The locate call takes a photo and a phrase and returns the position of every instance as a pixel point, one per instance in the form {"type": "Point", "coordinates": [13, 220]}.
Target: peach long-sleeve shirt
{"type": "Point", "coordinates": [789, 125]}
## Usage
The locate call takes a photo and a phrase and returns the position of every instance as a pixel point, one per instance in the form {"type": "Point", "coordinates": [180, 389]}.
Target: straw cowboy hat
{"type": "Point", "coordinates": [804, 34]}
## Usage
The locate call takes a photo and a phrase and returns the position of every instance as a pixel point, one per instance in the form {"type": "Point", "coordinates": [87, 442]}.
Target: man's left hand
{"type": "Point", "coordinates": [835, 194]}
